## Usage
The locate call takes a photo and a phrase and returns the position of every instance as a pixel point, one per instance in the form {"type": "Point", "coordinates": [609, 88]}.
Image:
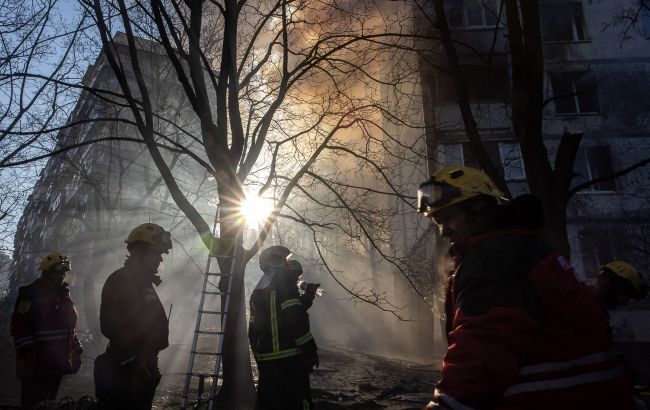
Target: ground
{"type": "Point", "coordinates": [344, 380]}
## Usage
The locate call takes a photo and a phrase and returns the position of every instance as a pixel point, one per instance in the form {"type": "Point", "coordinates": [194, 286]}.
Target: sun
{"type": "Point", "coordinates": [255, 210]}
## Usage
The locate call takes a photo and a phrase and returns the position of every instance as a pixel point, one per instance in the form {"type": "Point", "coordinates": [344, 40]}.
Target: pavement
{"type": "Point", "coordinates": [346, 379]}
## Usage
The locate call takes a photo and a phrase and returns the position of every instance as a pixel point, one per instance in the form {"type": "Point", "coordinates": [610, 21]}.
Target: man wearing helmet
{"type": "Point", "coordinates": [524, 331]}
{"type": "Point", "coordinates": [43, 326]}
{"type": "Point", "coordinates": [279, 335]}
{"type": "Point", "coordinates": [133, 319]}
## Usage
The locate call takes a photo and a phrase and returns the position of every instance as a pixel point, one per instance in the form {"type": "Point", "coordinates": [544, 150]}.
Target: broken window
{"type": "Point", "coordinates": [484, 83]}
{"type": "Point", "coordinates": [644, 15]}
{"type": "Point", "coordinates": [591, 163]}
{"type": "Point", "coordinates": [472, 13]}
{"type": "Point", "coordinates": [575, 92]}
{"type": "Point", "coordinates": [563, 21]}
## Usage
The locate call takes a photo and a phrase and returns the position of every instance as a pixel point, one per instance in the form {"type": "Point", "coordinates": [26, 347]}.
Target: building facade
{"type": "Point", "coordinates": [595, 82]}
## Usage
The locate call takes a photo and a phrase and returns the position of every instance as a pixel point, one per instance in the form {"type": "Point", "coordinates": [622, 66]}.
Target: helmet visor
{"type": "Point", "coordinates": [164, 240]}
{"type": "Point", "coordinates": [434, 194]}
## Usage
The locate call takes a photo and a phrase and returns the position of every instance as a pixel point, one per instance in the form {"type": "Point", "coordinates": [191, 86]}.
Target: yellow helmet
{"type": "Point", "coordinates": [451, 185]}
{"type": "Point", "coordinates": [628, 272]}
{"type": "Point", "coordinates": [52, 259]}
{"type": "Point", "coordinates": [152, 234]}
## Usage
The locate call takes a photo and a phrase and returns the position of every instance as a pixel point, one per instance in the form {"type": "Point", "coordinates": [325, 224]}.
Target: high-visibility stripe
{"type": "Point", "coordinates": [290, 302]}
{"type": "Point", "coordinates": [279, 355]}
{"type": "Point", "coordinates": [571, 364]}
{"type": "Point", "coordinates": [45, 338]}
{"type": "Point", "coordinates": [52, 332]}
{"type": "Point", "coordinates": [562, 383]}
{"type": "Point", "coordinates": [303, 339]}
{"type": "Point", "coordinates": [449, 401]}
{"type": "Point", "coordinates": [25, 341]}
{"type": "Point", "coordinates": [274, 324]}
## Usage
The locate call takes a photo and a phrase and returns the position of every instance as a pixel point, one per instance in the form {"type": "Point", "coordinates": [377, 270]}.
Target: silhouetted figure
{"type": "Point", "coordinates": [279, 335]}
{"type": "Point", "coordinates": [134, 321]}
{"type": "Point", "coordinates": [43, 326]}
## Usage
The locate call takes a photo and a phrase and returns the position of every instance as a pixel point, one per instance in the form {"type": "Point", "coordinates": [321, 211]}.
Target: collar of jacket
{"type": "Point", "coordinates": [460, 249]}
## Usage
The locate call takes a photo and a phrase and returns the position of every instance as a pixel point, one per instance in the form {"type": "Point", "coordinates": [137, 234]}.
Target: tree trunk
{"type": "Point", "coordinates": [238, 390]}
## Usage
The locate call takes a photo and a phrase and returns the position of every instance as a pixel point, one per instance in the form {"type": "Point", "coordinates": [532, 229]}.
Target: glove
{"type": "Point", "coordinates": [432, 406]}
{"type": "Point", "coordinates": [75, 362]}
{"type": "Point", "coordinates": [316, 360]}
{"type": "Point", "coordinates": [311, 288]}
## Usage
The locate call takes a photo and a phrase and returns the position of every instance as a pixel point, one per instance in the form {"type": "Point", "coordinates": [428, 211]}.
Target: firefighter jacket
{"type": "Point", "coordinates": [43, 326]}
{"type": "Point", "coordinates": [524, 331]}
{"type": "Point", "coordinates": [279, 323]}
{"type": "Point", "coordinates": [132, 316]}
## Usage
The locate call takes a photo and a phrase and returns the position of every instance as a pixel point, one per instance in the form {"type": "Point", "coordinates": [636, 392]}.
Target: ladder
{"type": "Point", "coordinates": [206, 338]}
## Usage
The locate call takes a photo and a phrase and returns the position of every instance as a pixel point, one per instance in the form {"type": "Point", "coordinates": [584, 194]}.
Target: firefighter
{"type": "Point", "coordinates": [134, 321]}
{"type": "Point", "coordinates": [617, 283]}
{"type": "Point", "coordinates": [524, 331]}
{"type": "Point", "coordinates": [279, 335]}
{"type": "Point", "coordinates": [43, 326]}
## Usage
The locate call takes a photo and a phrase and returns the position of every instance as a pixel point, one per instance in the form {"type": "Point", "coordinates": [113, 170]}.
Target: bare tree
{"type": "Point", "coordinates": [282, 91]}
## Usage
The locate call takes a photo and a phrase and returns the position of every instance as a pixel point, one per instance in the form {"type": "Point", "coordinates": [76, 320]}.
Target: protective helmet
{"type": "Point", "coordinates": [451, 185]}
{"type": "Point", "coordinates": [628, 272]}
{"type": "Point", "coordinates": [52, 259]}
{"type": "Point", "coordinates": [273, 257]}
{"type": "Point", "coordinates": [152, 234]}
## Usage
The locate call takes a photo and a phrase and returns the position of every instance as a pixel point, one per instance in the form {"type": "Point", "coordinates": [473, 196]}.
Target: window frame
{"type": "Point", "coordinates": [593, 189]}
{"type": "Point", "coordinates": [483, 12]}
{"type": "Point", "coordinates": [514, 146]}
{"type": "Point", "coordinates": [575, 38]}
{"type": "Point", "coordinates": [575, 92]}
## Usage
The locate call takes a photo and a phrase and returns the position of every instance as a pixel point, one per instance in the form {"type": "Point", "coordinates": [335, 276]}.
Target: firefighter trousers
{"type": "Point", "coordinates": [283, 385]}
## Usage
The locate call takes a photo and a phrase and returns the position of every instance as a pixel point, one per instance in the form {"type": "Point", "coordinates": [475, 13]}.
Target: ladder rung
{"type": "Point", "coordinates": [217, 274]}
{"type": "Point", "coordinates": [209, 332]}
{"type": "Point", "coordinates": [206, 353]}
{"type": "Point", "coordinates": [211, 292]}
{"type": "Point", "coordinates": [211, 312]}
{"type": "Point", "coordinates": [203, 375]}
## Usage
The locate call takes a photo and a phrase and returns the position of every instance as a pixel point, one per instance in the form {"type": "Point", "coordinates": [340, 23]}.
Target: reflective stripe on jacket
{"type": "Point", "coordinates": [279, 324]}
{"type": "Point", "coordinates": [43, 326]}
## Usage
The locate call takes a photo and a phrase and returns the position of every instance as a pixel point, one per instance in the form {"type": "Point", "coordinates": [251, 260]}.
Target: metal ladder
{"type": "Point", "coordinates": [210, 290]}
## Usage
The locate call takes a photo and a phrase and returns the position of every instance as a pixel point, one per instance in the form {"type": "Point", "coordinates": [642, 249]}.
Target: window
{"type": "Point", "coordinates": [484, 83]}
{"type": "Point", "coordinates": [644, 15]}
{"type": "Point", "coordinates": [472, 13]}
{"type": "Point", "coordinates": [594, 162]}
{"type": "Point", "coordinates": [512, 161]}
{"type": "Point", "coordinates": [563, 21]}
{"type": "Point", "coordinates": [575, 92]}
{"type": "Point", "coordinates": [507, 153]}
